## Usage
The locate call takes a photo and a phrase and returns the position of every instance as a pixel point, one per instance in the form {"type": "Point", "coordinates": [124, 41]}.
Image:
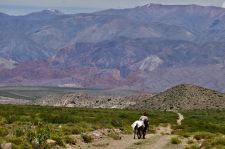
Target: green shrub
{"type": "Point", "coordinates": [26, 145]}
{"type": "Point", "coordinates": [47, 146]}
{"type": "Point", "coordinates": [42, 135]}
{"type": "Point", "coordinates": [203, 135]}
{"type": "Point", "coordinates": [19, 132]}
{"type": "Point", "coordinates": [2, 120]}
{"type": "Point", "coordinates": [178, 127]}
{"type": "Point", "coordinates": [3, 132]}
{"type": "Point", "coordinates": [87, 138]}
{"type": "Point", "coordinates": [36, 121]}
{"type": "Point", "coordinates": [190, 141]}
{"type": "Point", "coordinates": [70, 140]}
{"type": "Point", "coordinates": [175, 140]}
{"type": "Point", "coordinates": [185, 135]}
{"type": "Point", "coordinates": [28, 122]}
{"type": "Point", "coordinates": [117, 123]}
{"type": "Point", "coordinates": [31, 135]}
{"type": "Point", "coordinates": [16, 140]}
{"type": "Point", "coordinates": [58, 139]}
{"type": "Point", "coordinates": [115, 136]}
{"type": "Point", "coordinates": [72, 130]}
{"type": "Point", "coordinates": [2, 140]}
{"type": "Point", "coordinates": [11, 118]}
{"type": "Point", "coordinates": [218, 142]}
{"type": "Point", "coordinates": [57, 118]}
{"type": "Point", "coordinates": [14, 146]}
{"type": "Point", "coordinates": [25, 118]}
{"type": "Point", "coordinates": [204, 121]}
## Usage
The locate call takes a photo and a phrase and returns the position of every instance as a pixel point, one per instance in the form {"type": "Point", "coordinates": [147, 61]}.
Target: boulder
{"type": "Point", "coordinates": [6, 146]}
{"type": "Point", "coordinates": [51, 142]}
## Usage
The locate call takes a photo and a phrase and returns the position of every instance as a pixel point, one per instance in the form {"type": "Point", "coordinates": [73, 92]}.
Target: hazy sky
{"type": "Point", "coordinates": [25, 6]}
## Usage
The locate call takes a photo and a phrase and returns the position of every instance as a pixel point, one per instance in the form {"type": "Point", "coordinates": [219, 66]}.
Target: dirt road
{"type": "Point", "coordinates": [179, 120]}
{"type": "Point", "coordinates": [159, 140]}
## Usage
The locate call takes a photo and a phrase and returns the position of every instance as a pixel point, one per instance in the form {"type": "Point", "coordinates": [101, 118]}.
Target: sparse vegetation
{"type": "Point", "coordinates": [139, 143]}
{"type": "Point", "coordinates": [193, 147]}
{"type": "Point", "coordinates": [115, 136]}
{"type": "Point", "coordinates": [59, 139]}
{"type": "Point", "coordinates": [33, 125]}
{"type": "Point", "coordinates": [175, 140]}
{"type": "Point", "coordinates": [203, 135]}
{"type": "Point", "coordinates": [190, 141]}
{"type": "Point", "coordinates": [30, 124]}
{"type": "Point", "coordinates": [204, 123]}
{"type": "Point", "coordinates": [70, 140]}
{"type": "Point", "coordinates": [206, 126]}
{"type": "Point", "coordinates": [217, 142]}
{"type": "Point", "coordinates": [186, 97]}
{"type": "Point", "coordinates": [3, 132]}
{"type": "Point", "coordinates": [87, 138]}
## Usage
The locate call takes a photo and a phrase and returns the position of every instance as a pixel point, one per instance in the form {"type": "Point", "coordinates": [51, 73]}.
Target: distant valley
{"type": "Point", "coordinates": [130, 49]}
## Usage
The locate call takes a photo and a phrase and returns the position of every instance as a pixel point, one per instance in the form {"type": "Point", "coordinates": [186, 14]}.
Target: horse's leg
{"type": "Point", "coordinates": [139, 133]}
{"type": "Point", "coordinates": [144, 134]}
{"type": "Point", "coordinates": [145, 129]}
{"type": "Point", "coordinates": [135, 131]}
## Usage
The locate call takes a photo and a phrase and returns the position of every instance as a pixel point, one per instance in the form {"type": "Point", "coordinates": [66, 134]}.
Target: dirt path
{"type": "Point", "coordinates": [181, 117]}
{"type": "Point", "coordinates": [125, 142]}
{"type": "Point", "coordinates": [160, 140]}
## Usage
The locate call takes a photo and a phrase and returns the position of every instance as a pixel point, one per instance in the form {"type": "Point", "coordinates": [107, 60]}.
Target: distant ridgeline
{"type": "Point", "coordinates": [150, 48]}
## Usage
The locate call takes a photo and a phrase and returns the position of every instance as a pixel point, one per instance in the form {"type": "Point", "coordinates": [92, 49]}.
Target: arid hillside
{"type": "Point", "coordinates": [92, 101]}
{"type": "Point", "coordinates": [185, 96]}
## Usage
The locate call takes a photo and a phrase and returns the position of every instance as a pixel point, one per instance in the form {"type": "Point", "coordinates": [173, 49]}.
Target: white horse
{"type": "Point", "coordinates": [138, 128]}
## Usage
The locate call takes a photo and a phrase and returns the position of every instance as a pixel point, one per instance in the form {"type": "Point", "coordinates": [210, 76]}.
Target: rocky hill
{"type": "Point", "coordinates": [184, 97]}
{"type": "Point", "coordinates": [151, 48]}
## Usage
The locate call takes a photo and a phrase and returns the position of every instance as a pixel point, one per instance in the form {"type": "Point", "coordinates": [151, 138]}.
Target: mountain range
{"type": "Point", "coordinates": [150, 48]}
